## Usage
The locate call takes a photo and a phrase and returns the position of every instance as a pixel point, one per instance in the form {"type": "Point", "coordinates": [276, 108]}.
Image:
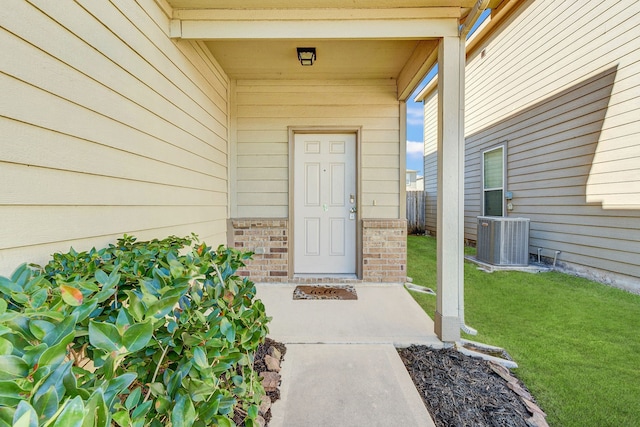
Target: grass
{"type": "Point", "coordinates": [577, 342]}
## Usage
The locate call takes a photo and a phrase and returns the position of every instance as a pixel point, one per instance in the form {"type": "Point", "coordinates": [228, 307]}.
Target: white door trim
{"type": "Point", "coordinates": [292, 131]}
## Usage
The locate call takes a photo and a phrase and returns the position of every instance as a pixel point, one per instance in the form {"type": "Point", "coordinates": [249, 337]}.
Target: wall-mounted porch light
{"type": "Point", "coordinates": [306, 55]}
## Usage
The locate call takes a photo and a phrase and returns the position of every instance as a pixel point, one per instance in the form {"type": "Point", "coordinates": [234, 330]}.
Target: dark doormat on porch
{"type": "Point", "coordinates": [342, 292]}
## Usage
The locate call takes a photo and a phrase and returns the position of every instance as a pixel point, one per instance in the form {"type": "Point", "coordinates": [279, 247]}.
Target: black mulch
{"type": "Point", "coordinates": [460, 390]}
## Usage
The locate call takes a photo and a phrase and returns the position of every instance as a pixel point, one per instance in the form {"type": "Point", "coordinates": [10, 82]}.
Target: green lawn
{"type": "Point", "coordinates": [577, 342]}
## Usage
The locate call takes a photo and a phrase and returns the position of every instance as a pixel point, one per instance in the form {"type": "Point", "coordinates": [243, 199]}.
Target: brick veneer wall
{"type": "Point", "coordinates": [384, 250]}
{"type": "Point", "coordinates": [262, 235]}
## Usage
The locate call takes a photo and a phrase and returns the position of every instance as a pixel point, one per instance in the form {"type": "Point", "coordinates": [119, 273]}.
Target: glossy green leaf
{"type": "Point", "coordinates": [33, 353]}
{"type": "Point", "coordinates": [133, 399]}
{"type": "Point", "coordinates": [83, 311]}
{"type": "Point", "coordinates": [223, 422]}
{"type": "Point", "coordinates": [183, 413]}
{"type": "Point", "coordinates": [25, 415]}
{"type": "Point", "coordinates": [3, 306]}
{"type": "Point", "coordinates": [104, 336]}
{"type": "Point", "coordinates": [227, 330]}
{"type": "Point", "coordinates": [10, 393]}
{"type": "Point", "coordinates": [13, 367]}
{"type": "Point", "coordinates": [71, 295]}
{"type": "Point", "coordinates": [157, 389]}
{"type": "Point", "coordinates": [72, 413]}
{"type": "Point", "coordinates": [21, 275]}
{"type": "Point", "coordinates": [104, 294]}
{"type": "Point", "coordinates": [6, 416]}
{"type": "Point", "coordinates": [209, 409]}
{"type": "Point", "coordinates": [101, 277]}
{"type": "Point", "coordinates": [50, 378]}
{"type": "Point", "coordinates": [122, 418]}
{"type": "Point", "coordinates": [109, 366]}
{"type": "Point", "coordinates": [226, 405]}
{"type": "Point", "coordinates": [20, 297]}
{"type": "Point", "coordinates": [176, 268]}
{"type": "Point", "coordinates": [40, 328]}
{"type": "Point", "coordinates": [116, 386]}
{"type": "Point", "coordinates": [88, 286]}
{"type": "Point", "coordinates": [200, 358]}
{"type": "Point", "coordinates": [39, 297]}
{"type": "Point", "coordinates": [55, 355]}
{"type": "Point", "coordinates": [123, 320]}
{"type": "Point", "coordinates": [137, 336]}
{"type": "Point", "coordinates": [137, 309]}
{"type": "Point", "coordinates": [252, 412]}
{"type": "Point", "coordinates": [141, 410]}
{"type": "Point", "coordinates": [7, 286]}
{"type": "Point", "coordinates": [162, 404]}
{"type": "Point", "coordinates": [96, 411]}
{"type": "Point", "coordinates": [5, 346]}
{"type": "Point", "coordinates": [163, 306]}
{"type": "Point", "coordinates": [46, 405]}
{"type": "Point", "coordinates": [61, 330]}
{"type": "Point", "coordinates": [54, 315]}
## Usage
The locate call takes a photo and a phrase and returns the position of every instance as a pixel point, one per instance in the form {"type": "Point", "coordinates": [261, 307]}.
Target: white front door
{"type": "Point", "coordinates": [324, 204]}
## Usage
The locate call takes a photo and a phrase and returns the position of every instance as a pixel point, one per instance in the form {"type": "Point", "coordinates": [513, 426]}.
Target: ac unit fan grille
{"type": "Point", "coordinates": [503, 241]}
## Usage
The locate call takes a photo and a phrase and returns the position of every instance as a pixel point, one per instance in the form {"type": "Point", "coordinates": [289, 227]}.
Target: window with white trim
{"type": "Point", "coordinates": [493, 182]}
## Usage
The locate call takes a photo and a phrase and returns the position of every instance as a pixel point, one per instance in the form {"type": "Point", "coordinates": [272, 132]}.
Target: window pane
{"type": "Point", "coordinates": [493, 173]}
{"type": "Point", "coordinates": [493, 203]}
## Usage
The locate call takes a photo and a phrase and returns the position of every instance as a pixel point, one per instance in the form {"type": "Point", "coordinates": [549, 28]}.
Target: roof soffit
{"type": "Point", "coordinates": [371, 39]}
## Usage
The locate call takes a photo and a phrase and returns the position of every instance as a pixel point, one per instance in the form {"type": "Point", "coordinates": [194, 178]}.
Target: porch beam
{"type": "Point", "coordinates": [450, 221]}
{"type": "Point", "coordinates": [335, 14]}
{"type": "Point", "coordinates": [418, 65]}
{"type": "Point", "coordinates": [398, 29]}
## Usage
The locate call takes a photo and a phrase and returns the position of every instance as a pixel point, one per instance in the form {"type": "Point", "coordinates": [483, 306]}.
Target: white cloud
{"type": "Point", "coordinates": [415, 114]}
{"type": "Point", "coordinates": [415, 149]}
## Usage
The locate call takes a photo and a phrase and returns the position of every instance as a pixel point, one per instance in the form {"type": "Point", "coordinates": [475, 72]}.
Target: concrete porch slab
{"type": "Point", "coordinates": [347, 385]}
{"type": "Point", "coordinates": [341, 367]}
{"type": "Point", "coordinates": [382, 314]}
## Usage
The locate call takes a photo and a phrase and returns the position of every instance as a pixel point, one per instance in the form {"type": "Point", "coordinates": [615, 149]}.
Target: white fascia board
{"type": "Point", "coordinates": [408, 29]}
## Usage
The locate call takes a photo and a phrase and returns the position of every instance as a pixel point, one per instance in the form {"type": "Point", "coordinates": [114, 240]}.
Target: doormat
{"type": "Point", "coordinates": [346, 292]}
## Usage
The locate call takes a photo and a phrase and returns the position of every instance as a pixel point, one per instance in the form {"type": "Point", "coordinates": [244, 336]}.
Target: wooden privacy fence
{"type": "Point", "coordinates": [416, 223]}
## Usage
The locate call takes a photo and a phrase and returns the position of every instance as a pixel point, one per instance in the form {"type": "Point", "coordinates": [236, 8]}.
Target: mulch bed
{"type": "Point", "coordinates": [460, 390]}
{"type": "Point", "coordinates": [266, 363]}
{"type": "Point", "coordinates": [259, 364]}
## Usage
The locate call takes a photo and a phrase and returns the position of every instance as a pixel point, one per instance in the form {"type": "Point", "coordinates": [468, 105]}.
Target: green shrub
{"type": "Point", "coordinates": [140, 333]}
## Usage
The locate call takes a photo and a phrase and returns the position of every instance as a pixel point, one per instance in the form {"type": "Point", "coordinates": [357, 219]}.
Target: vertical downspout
{"type": "Point", "coordinates": [478, 9]}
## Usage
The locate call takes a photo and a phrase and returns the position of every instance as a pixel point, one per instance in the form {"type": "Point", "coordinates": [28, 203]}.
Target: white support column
{"type": "Point", "coordinates": [450, 227]}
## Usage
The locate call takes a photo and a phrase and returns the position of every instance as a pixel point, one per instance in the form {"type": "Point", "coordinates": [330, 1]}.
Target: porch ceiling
{"type": "Point", "coordinates": [336, 59]}
{"type": "Point", "coordinates": [363, 39]}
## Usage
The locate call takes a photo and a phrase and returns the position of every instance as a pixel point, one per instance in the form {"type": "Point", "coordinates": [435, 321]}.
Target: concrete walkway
{"type": "Point", "coordinates": [341, 366]}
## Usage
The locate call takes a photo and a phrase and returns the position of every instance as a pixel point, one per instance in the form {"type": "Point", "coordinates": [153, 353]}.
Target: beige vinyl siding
{"type": "Point", "coordinates": [560, 84]}
{"type": "Point", "coordinates": [431, 160]}
{"type": "Point", "coordinates": [107, 127]}
{"type": "Point", "coordinates": [265, 110]}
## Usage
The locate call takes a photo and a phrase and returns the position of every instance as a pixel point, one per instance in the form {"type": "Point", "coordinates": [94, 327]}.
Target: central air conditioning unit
{"type": "Point", "coordinates": [503, 241]}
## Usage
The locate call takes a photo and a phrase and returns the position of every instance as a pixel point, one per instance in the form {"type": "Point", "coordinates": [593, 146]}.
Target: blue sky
{"type": "Point", "coordinates": [415, 135]}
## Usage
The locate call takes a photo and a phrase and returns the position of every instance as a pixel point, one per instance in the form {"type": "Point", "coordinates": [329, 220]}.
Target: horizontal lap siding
{"type": "Point", "coordinates": [108, 127]}
{"type": "Point", "coordinates": [431, 160]}
{"type": "Point", "coordinates": [561, 85]}
{"type": "Point", "coordinates": [265, 110]}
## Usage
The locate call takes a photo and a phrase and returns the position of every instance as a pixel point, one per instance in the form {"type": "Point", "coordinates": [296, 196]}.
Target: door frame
{"type": "Point", "coordinates": [292, 131]}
